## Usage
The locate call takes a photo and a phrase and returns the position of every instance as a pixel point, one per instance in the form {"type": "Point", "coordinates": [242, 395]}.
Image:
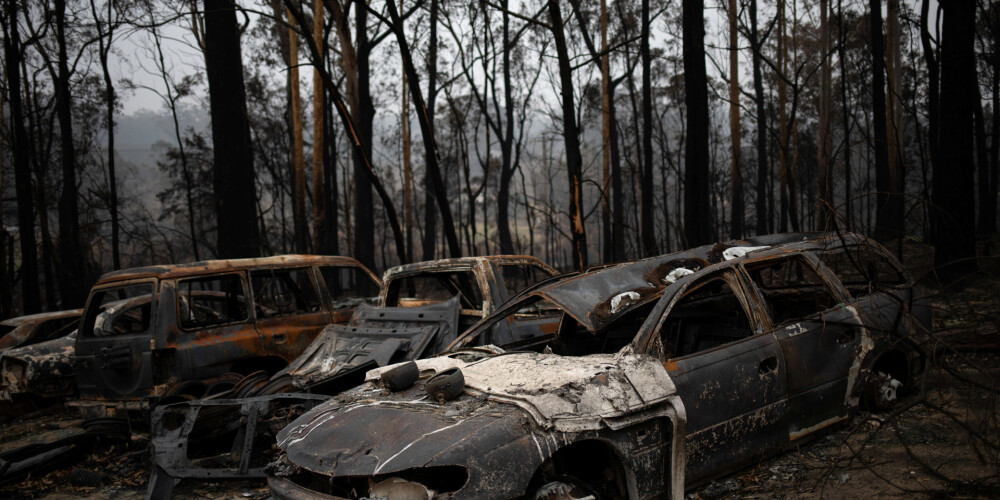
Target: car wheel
{"type": "Point", "coordinates": [881, 392]}
{"type": "Point", "coordinates": [565, 488]}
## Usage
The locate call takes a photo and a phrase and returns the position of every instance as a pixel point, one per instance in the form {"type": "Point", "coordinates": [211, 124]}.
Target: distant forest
{"type": "Point", "coordinates": [580, 132]}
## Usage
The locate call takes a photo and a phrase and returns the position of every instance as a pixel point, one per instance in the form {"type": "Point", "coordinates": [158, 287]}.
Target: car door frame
{"type": "Point", "coordinates": [820, 350]}
{"type": "Point", "coordinates": [724, 444]}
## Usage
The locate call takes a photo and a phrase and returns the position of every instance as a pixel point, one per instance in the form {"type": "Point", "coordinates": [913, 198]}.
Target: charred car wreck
{"type": "Point", "coordinates": [662, 374]}
{"type": "Point", "coordinates": [422, 309]}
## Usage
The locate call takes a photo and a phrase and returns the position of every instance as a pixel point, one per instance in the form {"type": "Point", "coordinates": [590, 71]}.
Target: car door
{"type": "Point", "coordinates": [289, 311]}
{"type": "Point", "coordinates": [346, 288]}
{"type": "Point", "coordinates": [113, 345]}
{"type": "Point", "coordinates": [819, 337]}
{"type": "Point", "coordinates": [730, 376]}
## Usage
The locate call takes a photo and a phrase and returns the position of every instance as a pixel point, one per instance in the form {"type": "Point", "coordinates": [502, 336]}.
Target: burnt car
{"type": "Point", "coordinates": [422, 309]}
{"type": "Point", "coordinates": [36, 328]}
{"type": "Point", "coordinates": [146, 329]}
{"type": "Point", "coordinates": [662, 374]}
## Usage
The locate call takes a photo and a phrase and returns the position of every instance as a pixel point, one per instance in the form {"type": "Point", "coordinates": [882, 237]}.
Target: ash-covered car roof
{"type": "Point", "coordinates": [596, 298]}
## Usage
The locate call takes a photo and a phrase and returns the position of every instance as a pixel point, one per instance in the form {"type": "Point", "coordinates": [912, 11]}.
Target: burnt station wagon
{"type": "Point", "coordinates": [662, 374]}
{"type": "Point", "coordinates": [196, 321]}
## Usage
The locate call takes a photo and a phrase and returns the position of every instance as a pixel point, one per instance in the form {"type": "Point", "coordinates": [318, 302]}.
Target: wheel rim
{"type": "Point", "coordinates": [564, 490]}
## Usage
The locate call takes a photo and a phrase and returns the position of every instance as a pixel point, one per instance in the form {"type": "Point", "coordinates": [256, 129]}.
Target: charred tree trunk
{"type": "Point", "coordinates": [848, 190]}
{"type": "Point", "coordinates": [298, 145]}
{"type": "Point", "coordinates": [331, 222]}
{"type": "Point", "coordinates": [697, 214]}
{"type": "Point", "coordinates": [102, 52]}
{"type": "Point", "coordinates": [953, 215]}
{"type": "Point", "coordinates": [506, 145]}
{"type": "Point", "coordinates": [430, 216]}
{"type": "Point", "coordinates": [894, 127]}
{"type": "Point", "coordinates": [30, 293]}
{"type": "Point", "coordinates": [73, 281]}
{"type": "Point", "coordinates": [825, 213]}
{"type": "Point", "coordinates": [571, 137]}
{"type": "Point", "coordinates": [763, 179]}
{"type": "Point", "coordinates": [735, 134]}
{"type": "Point", "coordinates": [648, 234]}
{"type": "Point", "coordinates": [318, 195]}
{"type": "Point", "coordinates": [607, 244]}
{"type": "Point", "coordinates": [233, 176]}
{"type": "Point", "coordinates": [884, 227]}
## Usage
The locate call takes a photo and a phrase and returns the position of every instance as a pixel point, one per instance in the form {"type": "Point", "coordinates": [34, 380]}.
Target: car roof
{"type": "Point", "coordinates": [589, 297]}
{"type": "Point", "coordinates": [20, 320]}
{"type": "Point", "coordinates": [463, 263]}
{"type": "Point", "coordinates": [213, 266]}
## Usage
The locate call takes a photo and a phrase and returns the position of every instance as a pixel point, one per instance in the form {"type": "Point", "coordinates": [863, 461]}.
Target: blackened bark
{"type": "Point", "coordinates": [103, 50]}
{"type": "Point", "coordinates": [331, 221]}
{"type": "Point", "coordinates": [758, 90]}
{"type": "Point", "coordinates": [233, 175]}
{"type": "Point", "coordinates": [617, 196]}
{"type": "Point", "coordinates": [30, 293]}
{"type": "Point", "coordinates": [648, 234]}
{"type": "Point", "coordinates": [885, 227]}
{"type": "Point", "coordinates": [363, 111]}
{"type": "Point", "coordinates": [430, 215]}
{"type": "Point", "coordinates": [697, 215]}
{"type": "Point", "coordinates": [506, 139]}
{"type": "Point", "coordinates": [848, 190]}
{"type": "Point", "coordinates": [73, 281]}
{"type": "Point", "coordinates": [571, 137]}
{"type": "Point", "coordinates": [987, 204]}
{"type": "Point", "coordinates": [953, 212]}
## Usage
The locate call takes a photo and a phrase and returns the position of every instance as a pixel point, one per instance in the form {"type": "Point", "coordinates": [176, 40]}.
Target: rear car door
{"type": "Point", "coordinates": [730, 376]}
{"type": "Point", "coordinates": [346, 288]}
{"type": "Point", "coordinates": [113, 346]}
{"type": "Point", "coordinates": [288, 308]}
{"type": "Point", "coordinates": [819, 337]}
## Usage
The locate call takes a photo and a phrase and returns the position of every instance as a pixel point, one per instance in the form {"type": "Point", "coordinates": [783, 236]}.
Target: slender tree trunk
{"type": "Point", "coordinates": [697, 214]}
{"type": "Point", "coordinates": [73, 280]}
{"type": "Point", "coordinates": [298, 146]}
{"type": "Point", "coordinates": [848, 188]}
{"type": "Point", "coordinates": [607, 244]}
{"type": "Point", "coordinates": [233, 179]}
{"type": "Point", "coordinates": [735, 134]}
{"type": "Point", "coordinates": [617, 197]}
{"type": "Point", "coordinates": [332, 198]}
{"type": "Point", "coordinates": [894, 126]}
{"type": "Point", "coordinates": [407, 168]}
{"type": "Point", "coordinates": [987, 206]}
{"type": "Point", "coordinates": [763, 179]}
{"type": "Point", "coordinates": [506, 143]}
{"type": "Point", "coordinates": [952, 221]}
{"type": "Point", "coordinates": [825, 212]}
{"type": "Point", "coordinates": [30, 293]}
{"type": "Point", "coordinates": [319, 207]}
{"type": "Point", "coordinates": [574, 161]}
{"type": "Point", "coordinates": [884, 227]}
{"type": "Point", "coordinates": [430, 215]}
{"type": "Point", "coordinates": [646, 191]}
{"type": "Point", "coordinates": [102, 52]}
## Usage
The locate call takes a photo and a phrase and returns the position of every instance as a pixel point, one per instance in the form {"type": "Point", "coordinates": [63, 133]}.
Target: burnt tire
{"type": "Point", "coordinates": [565, 488]}
{"type": "Point", "coordinates": [881, 392]}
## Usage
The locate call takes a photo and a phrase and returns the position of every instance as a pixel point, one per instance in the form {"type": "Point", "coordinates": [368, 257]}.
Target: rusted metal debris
{"type": "Point", "coordinates": [656, 380]}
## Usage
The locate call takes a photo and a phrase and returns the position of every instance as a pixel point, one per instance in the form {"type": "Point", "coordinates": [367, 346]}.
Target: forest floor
{"type": "Point", "coordinates": [943, 445]}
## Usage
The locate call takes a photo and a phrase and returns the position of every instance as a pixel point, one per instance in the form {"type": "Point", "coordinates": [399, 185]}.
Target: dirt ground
{"type": "Point", "coordinates": [944, 445]}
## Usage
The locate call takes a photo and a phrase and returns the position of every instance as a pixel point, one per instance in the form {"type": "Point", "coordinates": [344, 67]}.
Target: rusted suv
{"type": "Point", "coordinates": [146, 328]}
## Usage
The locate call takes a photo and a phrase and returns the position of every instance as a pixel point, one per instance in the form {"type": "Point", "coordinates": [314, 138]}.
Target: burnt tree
{"type": "Point", "coordinates": [953, 197]}
{"type": "Point", "coordinates": [233, 175]}
{"type": "Point", "coordinates": [697, 214]}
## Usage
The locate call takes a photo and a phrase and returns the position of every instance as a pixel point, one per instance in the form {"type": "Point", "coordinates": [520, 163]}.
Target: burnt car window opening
{"type": "Point", "coordinates": [431, 288]}
{"type": "Point", "coordinates": [708, 315]}
{"type": "Point", "coordinates": [791, 289]}
{"type": "Point", "coordinates": [283, 292]}
{"type": "Point", "coordinates": [862, 270]}
{"type": "Point", "coordinates": [211, 301]}
{"type": "Point", "coordinates": [348, 286]}
{"type": "Point", "coordinates": [120, 311]}
{"type": "Point", "coordinates": [55, 329]}
{"type": "Point", "coordinates": [517, 277]}
{"type": "Point", "coordinates": [571, 339]}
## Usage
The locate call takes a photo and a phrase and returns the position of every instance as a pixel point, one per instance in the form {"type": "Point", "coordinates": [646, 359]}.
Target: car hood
{"type": "Point", "coordinates": [379, 437]}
